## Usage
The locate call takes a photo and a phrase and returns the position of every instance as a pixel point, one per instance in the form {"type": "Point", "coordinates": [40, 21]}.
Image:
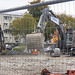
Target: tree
{"type": "Point", "coordinates": [67, 20]}
{"type": "Point", "coordinates": [36, 12]}
{"type": "Point", "coordinates": [23, 26]}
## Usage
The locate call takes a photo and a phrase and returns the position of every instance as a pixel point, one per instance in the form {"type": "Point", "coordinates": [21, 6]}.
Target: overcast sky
{"type": "Point", "coordinates": [67, 7]}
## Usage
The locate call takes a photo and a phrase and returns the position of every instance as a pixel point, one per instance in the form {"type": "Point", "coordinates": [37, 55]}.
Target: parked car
{"type": "Point", "coordinates": [8, 47]}
{"type": "Point", "coordinates": [48, 49]}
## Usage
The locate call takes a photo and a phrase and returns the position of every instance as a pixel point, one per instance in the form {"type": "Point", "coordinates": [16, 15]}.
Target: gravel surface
{"type": "Point", "coordinates": [33, 64]}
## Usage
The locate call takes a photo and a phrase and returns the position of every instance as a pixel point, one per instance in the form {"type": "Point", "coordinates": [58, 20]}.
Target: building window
{"type": "Point", "coordinates": [7, 18]}
{"type": "Point", "coordinates": [5, 24]}
{"type": "Point", "coordinates": [17, 17]}
{"type": "Point", "coordinates": [10, 18]}
{"type": "Point", "coordinates": [6, 31]}
{"type": "Point", "coordinates": [5, 38]}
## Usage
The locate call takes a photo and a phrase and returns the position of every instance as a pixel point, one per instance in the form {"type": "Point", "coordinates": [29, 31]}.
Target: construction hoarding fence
{"type": "Point", "coordinates": [34, 32]}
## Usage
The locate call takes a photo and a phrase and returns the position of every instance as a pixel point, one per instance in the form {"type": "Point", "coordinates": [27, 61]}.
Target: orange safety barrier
{"type": "Point", "coordinates": [35, 52]}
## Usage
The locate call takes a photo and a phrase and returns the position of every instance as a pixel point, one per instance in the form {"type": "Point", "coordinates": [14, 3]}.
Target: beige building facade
{"type": "Point", "coordinates": [5, 20]}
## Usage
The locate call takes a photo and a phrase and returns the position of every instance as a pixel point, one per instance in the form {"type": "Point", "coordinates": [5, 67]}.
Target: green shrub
{"type": "Point", "coordinates": [19, 48]}
{"type": "Point", "coordinates": [6, 49]}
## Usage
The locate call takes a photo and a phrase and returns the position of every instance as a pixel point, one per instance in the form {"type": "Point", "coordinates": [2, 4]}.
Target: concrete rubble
{"type": "Point", "coordinates": [33, 64]}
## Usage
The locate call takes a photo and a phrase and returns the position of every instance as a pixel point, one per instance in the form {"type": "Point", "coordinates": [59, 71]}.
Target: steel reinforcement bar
{"type": "Point", "coordinates": [35, 5]}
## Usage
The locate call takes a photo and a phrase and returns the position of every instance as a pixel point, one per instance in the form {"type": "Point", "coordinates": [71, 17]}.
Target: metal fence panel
{"type": "Point", "coordinates": [17, 23]}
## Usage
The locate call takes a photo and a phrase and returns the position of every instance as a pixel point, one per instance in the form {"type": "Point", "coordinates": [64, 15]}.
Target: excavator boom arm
{"type": "Point", "coordinates": [48, 15]}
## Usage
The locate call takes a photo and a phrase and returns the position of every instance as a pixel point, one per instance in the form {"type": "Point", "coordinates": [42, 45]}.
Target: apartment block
{"type": "Point", "coordinates": [5, 20]}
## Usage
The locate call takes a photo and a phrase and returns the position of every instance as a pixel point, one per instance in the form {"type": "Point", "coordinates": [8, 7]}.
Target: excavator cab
{"type": "Point", "coordinates": [69, 38]}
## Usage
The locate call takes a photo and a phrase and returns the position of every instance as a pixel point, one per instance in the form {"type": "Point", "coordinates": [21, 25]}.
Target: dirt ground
{"type": "Point", "coordinates": [33, 64]}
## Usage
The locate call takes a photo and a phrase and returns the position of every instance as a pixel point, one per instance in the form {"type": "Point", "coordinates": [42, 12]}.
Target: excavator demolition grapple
{"type": "Point", "coordinates": [46, 72]}
{"type": "Point", "coordinates": [36, 40]}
